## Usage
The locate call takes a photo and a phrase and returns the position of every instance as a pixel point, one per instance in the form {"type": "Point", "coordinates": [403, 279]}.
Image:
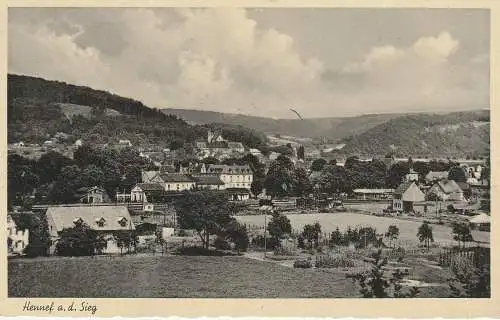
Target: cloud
{"type": "Point", "coordinates": [222, 60]}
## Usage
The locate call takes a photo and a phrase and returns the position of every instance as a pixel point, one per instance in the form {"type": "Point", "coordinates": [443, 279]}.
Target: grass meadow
{"type": "Point", "coordinates": [170, 277]}
{"type": "Point", "coordinates": [330, 221]}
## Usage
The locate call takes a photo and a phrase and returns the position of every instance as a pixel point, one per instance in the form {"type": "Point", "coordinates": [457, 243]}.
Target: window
{"type": "Point", "coordinates": [101, 222]}
{"type": "Point", "coordinates": [122, 221]}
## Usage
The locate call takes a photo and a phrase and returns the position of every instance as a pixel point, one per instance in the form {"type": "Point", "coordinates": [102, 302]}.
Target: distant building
{"type": "Point", "coordinates": [236, 147]}
{"type": "Point", "coordinates": [17, 240]}
{"type": "Point", "coordinates": [238, 194]}
{"type": "Point", "coordinates": [150, 176]}
{"type": "Point", "coordinates": [125, 143]}
{"type": "Point", "coordinates": [92, 195]}
{"type": "Point", "coordinates": [78, 143]}
{"type": "Point", "coordinates": [373, 194]}
{"type": "Point", "coordinates": [141, 191]}
{"type": "Point", "coordinates": [177, 182]}
{"type": "Point", "coordinates": [447, 190]}
{"type": "Point", "coordinates": [412, 175]}
{"type": "Point", "coordinates": [406, 196]}
{"type": "Point", "coordinates": [106, 220]}
{"type": "Point", "coordinates": [273, 155]}
{"type": "Point", "coordinates": [208, 182]}
{"type": "Point", "coordinates": [434, 176]}
{"type": "Point", "coordinates": [256, 152]}
{"type": "Point", "coordinates": [233, 176]}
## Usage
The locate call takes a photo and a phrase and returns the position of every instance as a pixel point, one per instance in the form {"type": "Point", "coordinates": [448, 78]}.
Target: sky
{"type": "Point", "coordinates": [327, 62]}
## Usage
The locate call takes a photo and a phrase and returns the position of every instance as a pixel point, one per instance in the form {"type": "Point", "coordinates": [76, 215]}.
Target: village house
{"type": "Point", "coordinates": [434, 176]}
{"type": "Point", "coordinates": [407, 197]}
{"type": "Point", "coordinates": [238, 194]}
{"type": "Point", "coordinates": [17, 240]}
{"type": "Point", "coordinates": [92, 195]}
{"type": "Point", "coordinates": [412, 175]}
{"type": "Point", "coordinates": [256, 152]}
{"type": "Point", "coordinates": [236, 147]}
{"type": "Point", "coordinates": [208, 182]}
{"type": "Point", "coordinates": [150, 176]}
{"type": "Point", "coordinates": [177, 182]}
{"type": "Point", "coordinates": [273, 155]}
{"type": "Point", "coordinates": [193, 168]}
{"type": "Point", "coordinates": [106, 220]}
{"type": "Point", "coordinates": [373, 194]}
{"type": "Point", "coordinates": [125, 142]}
{"type": "Point", "coordinates": [446, 190]}
{"type": "Point", "coordinates": [170, 181]}
{"type": "Point", "coordinates": [233, 176]}
{"type": "Point", "coordinates": [146, 192]}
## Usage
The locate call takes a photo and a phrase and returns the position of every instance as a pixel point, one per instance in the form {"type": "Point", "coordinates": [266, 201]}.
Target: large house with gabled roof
{"type": "Point", "coordinates": [406, 196]}
{"type": "Point", "coordinates": [106, 220]}
{"type": "Point", "coordinates": [447, 190]}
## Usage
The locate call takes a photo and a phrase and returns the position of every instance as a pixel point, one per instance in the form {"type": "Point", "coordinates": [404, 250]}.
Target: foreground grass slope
{"type": "Point", "coordinates": [170, 277]}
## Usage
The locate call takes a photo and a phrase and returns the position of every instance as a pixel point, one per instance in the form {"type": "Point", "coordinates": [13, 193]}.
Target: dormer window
{"type": "Point", "coordinates": [78, 221]}
{"type": "Point", "coordinates": [122, 221]}
{"type": "Point", "coordinates": [101, 222]}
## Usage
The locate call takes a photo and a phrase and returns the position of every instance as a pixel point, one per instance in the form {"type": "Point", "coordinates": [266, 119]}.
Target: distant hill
{"type": "Point", "coordinates": [453, 134]}
{"type": "Point", "coordinates": [440, 134]}
{"type": "Point", "coordinates": [37, 109]}
{"type": "Point", "coordinates": [330, 128]}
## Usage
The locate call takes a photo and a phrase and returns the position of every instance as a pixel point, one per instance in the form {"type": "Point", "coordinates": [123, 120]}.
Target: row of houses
{"type": "Point", "coordinates": [409, 195]}
{"type": "Point", "coordinates": [235, 180]}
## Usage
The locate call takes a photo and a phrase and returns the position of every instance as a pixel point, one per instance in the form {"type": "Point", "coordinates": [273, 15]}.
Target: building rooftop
{"type": "Point", "coordinates": [114, 217]}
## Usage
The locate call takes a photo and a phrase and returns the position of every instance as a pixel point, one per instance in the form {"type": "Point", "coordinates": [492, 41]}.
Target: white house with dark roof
{"type": "Point", "coordinates": [233, 176]}
{"type": "Point", "coordinates": [141, 191]}
{"type": "Point", "coordinates": [17, 240]}
{"type": "Point", "coordinates": [104, 219]}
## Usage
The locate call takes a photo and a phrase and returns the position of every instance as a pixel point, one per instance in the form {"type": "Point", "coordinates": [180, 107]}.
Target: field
{"type": "Point", "coordinates": [330, 221]}
{"type": "Point", "coordinates": [169, 277]}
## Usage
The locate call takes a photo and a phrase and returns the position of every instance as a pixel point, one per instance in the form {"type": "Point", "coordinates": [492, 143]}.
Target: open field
{"type": "Point", "coordinates": [169, 276]}
{"type": "Point", "coordinates": [330, 221]}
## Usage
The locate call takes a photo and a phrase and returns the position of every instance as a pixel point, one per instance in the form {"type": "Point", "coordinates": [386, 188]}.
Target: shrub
{"type": "Point", "coordinates": [284, 251]}
{"type": "Point", "coordinates": [221, 244]}
{"type": "Point", "coordinates": [271, 243]}
{"type": "Point", "coordinates": [303, 264]}
{"type": "Point", "coordinates": [334, 261]}
{"type": "Point", "coordinates": [200, 251]}
{"type": "Point", "coordinates": [398, 253]}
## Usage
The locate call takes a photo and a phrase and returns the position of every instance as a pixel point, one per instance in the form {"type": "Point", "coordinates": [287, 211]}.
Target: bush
{"type": "Point", "coordinates": [271, 243]}
{"type": "Point", "coordinates": [334, 261]}
{"type": "Point", "coordinates": [284, 251]}
{"type": "Point", "coordinates": [303, 264]}
{"type": "Point", "coordinates": [398, 254]}
{"type": "Point", "coordinates": [200, 251]}
{"type": "Point", "coordinates": [221, 244]}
